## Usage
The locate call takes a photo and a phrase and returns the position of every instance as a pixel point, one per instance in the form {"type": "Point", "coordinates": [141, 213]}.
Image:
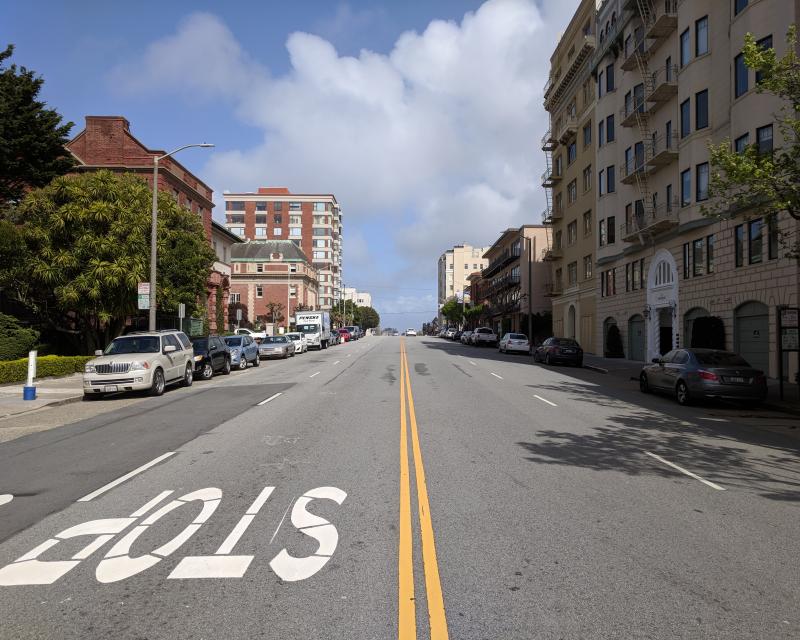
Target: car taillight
{"type": "Point", "coordinates": [761, 378]}
{"type": "Point", "coordinates": [708, 375]}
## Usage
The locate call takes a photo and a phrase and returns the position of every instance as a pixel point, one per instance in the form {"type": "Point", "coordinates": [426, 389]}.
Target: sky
{"type": "Point", "coordinates": [422, 117]}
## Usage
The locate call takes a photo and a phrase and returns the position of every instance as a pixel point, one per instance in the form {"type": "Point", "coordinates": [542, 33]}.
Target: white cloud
{"type": "Point", "coordinates": [439, 136]}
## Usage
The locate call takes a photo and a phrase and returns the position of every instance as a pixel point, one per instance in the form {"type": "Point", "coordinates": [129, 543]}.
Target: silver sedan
{"type": "Point", "coordinates": [276, 347]}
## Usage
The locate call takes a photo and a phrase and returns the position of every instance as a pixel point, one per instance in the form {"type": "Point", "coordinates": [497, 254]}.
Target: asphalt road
{"type": "Point", "coordinates": [524, 502]}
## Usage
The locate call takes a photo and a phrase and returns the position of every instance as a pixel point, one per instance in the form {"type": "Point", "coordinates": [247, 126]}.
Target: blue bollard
{"type": "Point", "coordinates": [29, 393]}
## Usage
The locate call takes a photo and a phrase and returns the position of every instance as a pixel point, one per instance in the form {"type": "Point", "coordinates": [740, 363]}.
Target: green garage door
{"type": "Point", "coordinates": [751, 334]}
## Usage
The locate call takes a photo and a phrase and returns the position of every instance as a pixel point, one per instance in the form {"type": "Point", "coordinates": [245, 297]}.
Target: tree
{"type": "Point", "coordinates": [232, 308]}
{"type": "Point", "coordinates": [15, 340]}
{"type": "Point", "coordinates": [368, 318]}
{"type": "Point", "coordinates": [32, 138]}
{"type": "Point", "coordinates": [302, 307]}
{"type": "Point", "coordinates": [86, 245]}
{"type": "Point", "coordinates": [452, 311]}
{"type": "Point", "coordinates": [764, 183]}
{"type": "Point", "coordinates": [275, 310]}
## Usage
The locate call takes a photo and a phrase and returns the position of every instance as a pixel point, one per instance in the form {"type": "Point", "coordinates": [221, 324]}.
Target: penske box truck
{"type": "Point", "coordinates": [316, 325]}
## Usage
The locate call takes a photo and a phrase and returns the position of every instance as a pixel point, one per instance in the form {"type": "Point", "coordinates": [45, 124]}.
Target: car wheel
{"type": "Point", "coordinates": [208, 371]}
{"type": "Point", "coordinates": [227, 368]}
{"type": "Point", "coordinates": [682, 393]}
{"type": "Point", "coordinates": [243, 363]}
{"type": "Point", "coordinates": [536, 356]}
{"type": "Point", "coordinates": [644, 385]}
{"type": "Point", "coordinates": [257, 362]}
{"type": "Point", "coordinates": [157, 387]}
{"type": "Point", "coordinates": [188, 375]}
{"type": "Point", "coordinates": [547, 360]}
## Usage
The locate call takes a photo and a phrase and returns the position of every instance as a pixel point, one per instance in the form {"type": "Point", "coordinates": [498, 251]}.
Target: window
{"type": "Point", "coordinates": [628, 277]}
{"type": "Point", "coordinates": [601, 133]}
{"type": "Point", "coordinates": [235, 298]}
{"type": "Point", "coordinates": [600, 85]}
{"type": "Point", "coordinates": [698, 260]}
{"type": "Point", "coordinates": [587, 223]}
{"type": "Point", "coordinates": [572, 191]}
{"type": "Point", "coordinates": [663, 273]}
{"type": "Point", "coordinates": [764, 43]}
{"type": "Point", "coordinates": [628, 103]}
{"type": "Point", "coordinates": [295, 232]}
{"type": "Point", "coordinates": [609, 77]}
{"type": "Point", "coordinates": [277, 218]}
{"type": "Point", "coordinates": [701, 182]}
{"type": "Point", "coordinates": [668, 134]}
{"type": "Point", "coordinates": [635, 274]}
{"type": "Point", "coordinates": [701, 36]}
{"type": "Point", "coordinates": [638, 152]}
{"type": "Point", "coordinates": [295, 206]}
{"type": "Point", "coordinates": [772, 237]}
{"type": "Point", "coordinates": [738, 241]}
{"type": "Point", "coordinates": [602, 234]}
{"type": "Point", "coordinates": [278, 206]}
{"type": "Point", "coordinates": [740, 144]}
{"type": "Point", "coordinates": [710, 254]}
{"type": "Point", "coordinates": [610, 183]}
{"type": "Point", "coordinates": [587, 134]}
{"type": "Point", "coordinates": [755, 241]}
{"type": "Point", "coordinates": [600, 184]}
{"type": "Point", "coordinates": [686, 187]}
{"type": "Point", "coordinates": [572, 233]}
{"type": "Point", "coordinates": [557, 244]}
{"type": "Point", "coordinates": [587, 178]}
{"type": "Point", "coordinates": [572, 152]}
{"type": "Point", "coordinates": [610, 128]}
{"type": "Point", "coordinates": [701, 109]}
{"type": "Point", "coordinates": [319, 206]}
{"type": "Point", "coordinates": [629, 160]}
{"type": "Point", "coordinates": [261, 232]}
{"type": "Point", "coordinates": [587, 267]}
{"type": "Point", "coordinates": [261, 206]}
{"type": "Point", "coordinates": [319, 255]}
{"type": "Point", "coordinates": [638, 97]}
{"type": "Point", "coordinates": [738, 6]}
{"type": "Point", "coordinates": [740, 76]}
{"type": "Point", "coordinates": [558, 278]}
{"type": "Point", "coordinates": [764, 139]}
{"type": "Point", "coordinates": [686, 122]}
{"type": "Point", "coordinates": [572, 273]}
{"type": "Point", "coordinates": [239, 231]}
{"type": "Point", "coordinates": [234, 206]}
{"type": "Point", "coordinates": [669, 197]}
{"type": "Point", "coordinates": [277, 231]}
{"type": "Point", "coordinates": [685, 52]}
{"type": "Point", "coordinates": [559, 202]}
{"type": "Point", "coordinates": [686, 259]}
{"type": "Point", "coordinates": [611, 232]}
{"type": "Point", "coordinates": [235, 218]}
{"type": "Point", "coordinates": [557, 165]}
{"type": "Point", "coordinates": [259, 268]}
{"type": "Point", "coordinates": [259, 291]}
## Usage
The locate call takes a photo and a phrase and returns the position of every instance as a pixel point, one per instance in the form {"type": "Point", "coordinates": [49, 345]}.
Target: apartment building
{"type": "Point", "coordinates": [514, 283]}
{"type": "Point", "coordinates": [570, 179]}
{"type": "Point", "coordinates": [359, 298]}
{"type": "Point", "coordinates": [313, 222]}
{"type": "Point", "coordinates": [272, 271]}
{"type": "Point", "coordinates": [679, 82]}
{"type": "Point", "coordinates": [454, 267]}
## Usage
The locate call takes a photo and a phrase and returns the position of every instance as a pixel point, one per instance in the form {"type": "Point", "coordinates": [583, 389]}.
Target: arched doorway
{"type": "Point", "coordinates": [688, 323]}
{"type": "Point", "coordinates": [636, 338]}
{"type": "Point", "coordinates": [612, 343]}
{"type": "Point", "coordinates": [571, 322]}
{"type": "Point", "coordinates": [662, 304]}
{"type": "Point", "coordinates": [751, 333]}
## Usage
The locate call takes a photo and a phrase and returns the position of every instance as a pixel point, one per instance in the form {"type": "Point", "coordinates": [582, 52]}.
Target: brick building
{"type": "Point", "coordinates": [106, 142]}
{"type": "Point", "coordinates": [311, 222]}
{"type": "Point", "coordinates": [272, 271]}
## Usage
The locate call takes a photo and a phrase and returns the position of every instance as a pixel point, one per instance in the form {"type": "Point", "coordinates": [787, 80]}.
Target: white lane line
{"type": "Point", "coordinates": [472, 363]}
{"type": "Point", "coordinates": [495, 375]}
{"type": "Point", "coordinates": [127, 476]}
{"type": "Point", "coordinates": [713, 419]}
{"type": "Point", "coordinates": [5, 498]}
{"type": "Point", "coordinates": [684, 471]}
{"type": "Point", "coordinates": [349, 354]}
{"type": "Point", "coordinates": [314, 374]}
{"type": "Point", "coordinates": [270, 399]}
{"type": "Point", "coordinates": [545, 400]}
{"type": "Point", "coordinates": [337, 362]}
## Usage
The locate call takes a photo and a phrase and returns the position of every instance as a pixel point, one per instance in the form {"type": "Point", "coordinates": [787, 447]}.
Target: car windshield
{"type": "Point", "coordinates": [274, 340]}
{"type": "Point", "coordinates": [483, 331]}
{"type": "Point", "coordinates": [565, 342]}
{"type": "Point", "coordinates": [349, 329]}
{"type": "Point", "coordinates": [293, 336]}
{"type": "Point", "coordinates": [518, 336]}
{"type": "Point", "coordinates": [308, 328]}
{"type": "Point", "coordinates": [233, 341]}
{"type": "Point", "coordinates": [133, 344]}
{"type": "Point", "coordinates": [720, 359]}
{"type": "Point", "coordinates": [200, 344]}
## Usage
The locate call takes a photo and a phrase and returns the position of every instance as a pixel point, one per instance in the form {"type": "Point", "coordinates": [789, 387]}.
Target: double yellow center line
{"type": "Point", "coordinates": [407, 625]}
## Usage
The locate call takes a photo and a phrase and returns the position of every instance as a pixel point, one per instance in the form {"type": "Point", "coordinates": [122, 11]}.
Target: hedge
{"type": "Point", "coordinates": [46, 366]}
{"type": "Point", "coordinates": [15, 339]}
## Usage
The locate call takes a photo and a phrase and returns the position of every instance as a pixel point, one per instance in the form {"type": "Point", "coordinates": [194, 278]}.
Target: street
{"type": "Point", "coordinates": [403, 488]}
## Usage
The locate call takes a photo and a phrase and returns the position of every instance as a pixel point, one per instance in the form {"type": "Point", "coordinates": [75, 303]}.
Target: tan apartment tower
{"type": "Point", "coordinates": [569, 179]}
{"type": "Point", "coordinates": [679, 82]}
{"type": "Point", "coordinates": [453, 269]}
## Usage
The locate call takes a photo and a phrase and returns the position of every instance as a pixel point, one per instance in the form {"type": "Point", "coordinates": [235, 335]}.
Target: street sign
{"type": "Point", "coordinates": [238, 315]}
{"type": "Point", "coordinates": [143, 289]}
{"type": "Point", "coordinates": [144, 301]}
{"type": "Point", "coordinates": [790, 341]}
{"type": "Point", "coordinates": [181, 311]}
{"type": "Point", "coordinates": [789, 317]}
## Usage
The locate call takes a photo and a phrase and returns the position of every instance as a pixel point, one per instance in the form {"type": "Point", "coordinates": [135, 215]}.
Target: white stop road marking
{"type": "Point", "coordinates": [5, 498]}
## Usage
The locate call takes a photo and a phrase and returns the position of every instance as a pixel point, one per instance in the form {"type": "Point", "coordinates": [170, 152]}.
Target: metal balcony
{"type": "Point", "coordinates": [661, 152]}
{"type": "Point", "coordinates": [551, 255]}
{"type": "Point", "coordinates": [557, 213]}
{"type": "Point", "coordinates": [664, 21]}
{"type": "Point", "coordinates": [568, 128]}
{"type": "Point", "coordinates": [549, 142]}
{"type": "Point", "coordinates": [547, 217]}
{"type": "Point", "coordinates": [630, 62]}
{"type": "Point", "coordinates": [651, 223]}
{"type": "Point", "coordinates": [662, 85]}
{"type": "Point", "coordinates": [629, 172]}
{"type": "Point", "coordinates": [550, 179]}
{"type": "Point", "coordinates": [553, 289]}
{"type": "Point", "coordinates": [629, 116]}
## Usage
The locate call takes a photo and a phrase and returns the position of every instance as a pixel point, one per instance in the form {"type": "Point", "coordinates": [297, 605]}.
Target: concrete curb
{"type": "Point", "coordinates": [592, 367]}
{"type": "Point", "coordinates": [55, 403]}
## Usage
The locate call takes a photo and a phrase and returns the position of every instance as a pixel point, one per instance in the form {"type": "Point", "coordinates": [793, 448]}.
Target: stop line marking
{"type": "Point", "coordinates": [5, 498]}
{"type": "Point", "coordinates": [127, 476]}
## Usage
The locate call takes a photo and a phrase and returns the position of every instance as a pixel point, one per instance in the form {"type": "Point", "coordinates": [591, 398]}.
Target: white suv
{"type": "Point", "coordinates": [144, 360]}
{"type": "Point", "coordinates": [484, 335]}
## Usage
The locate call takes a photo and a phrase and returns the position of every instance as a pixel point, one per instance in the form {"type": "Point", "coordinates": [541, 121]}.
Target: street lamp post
{"type": "Point", "coordinates": [154, 229]}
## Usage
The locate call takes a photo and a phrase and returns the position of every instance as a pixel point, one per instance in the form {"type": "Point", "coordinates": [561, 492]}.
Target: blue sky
{"type": "Point", "coordinates": [422, 117]}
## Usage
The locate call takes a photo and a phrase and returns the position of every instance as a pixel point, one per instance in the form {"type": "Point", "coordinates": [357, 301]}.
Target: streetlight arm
{"type": "Point", "coordinates": [204, 145]}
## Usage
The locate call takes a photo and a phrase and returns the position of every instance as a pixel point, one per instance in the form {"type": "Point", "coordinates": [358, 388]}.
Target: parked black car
{"type": "Point", "coordinates": [554, 350]}
{"type": "Point", "coordinates": [457, 336]}
{"type": "Point", "coordinates": [210, 356]}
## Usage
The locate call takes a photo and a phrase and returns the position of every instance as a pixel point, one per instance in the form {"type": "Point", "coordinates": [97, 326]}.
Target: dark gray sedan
{"type": "Point", "coordinates": [276, 347]}
{"type": "Point", "coordinates": [694, 374]}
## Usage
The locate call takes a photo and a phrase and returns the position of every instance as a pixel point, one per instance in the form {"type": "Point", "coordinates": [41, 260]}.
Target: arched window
{"type": "Point", "coordinates": [664, 274]}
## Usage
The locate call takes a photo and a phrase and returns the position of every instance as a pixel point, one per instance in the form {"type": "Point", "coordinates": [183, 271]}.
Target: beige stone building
{"type": "Point", "coordinates": [570, 179]}
{"type": "Point", "coordinates": [677, 83]}
{"type": "Point", "coordinates": [454, 267]}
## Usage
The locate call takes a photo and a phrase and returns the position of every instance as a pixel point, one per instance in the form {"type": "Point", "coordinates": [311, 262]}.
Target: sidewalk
{"type": "Point", "coordinates": [50, 392]}
{"type": "Point", "coordinates": [630, 369]}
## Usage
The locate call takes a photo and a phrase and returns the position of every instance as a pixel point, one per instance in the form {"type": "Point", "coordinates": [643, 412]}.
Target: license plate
{"type": "Point", "coordinates": [568, 351]}
{"type": "Point", "coordinates": [110, 388]}
{"type": "Point", "coordinates": [739, 380]}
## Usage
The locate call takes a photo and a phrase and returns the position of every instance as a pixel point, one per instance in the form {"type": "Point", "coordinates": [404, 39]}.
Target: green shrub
{"type": "Point", "coordinates": [46, 366]}
{"type": "Point", "coordinates": [15, 340]}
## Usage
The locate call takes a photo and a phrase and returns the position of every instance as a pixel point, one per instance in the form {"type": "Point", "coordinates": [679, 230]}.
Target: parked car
{"type": "Point", "coordinates": [142, 360]}
{"type": "Point", "coordinates": [411, 332]}
{"type": "Point", "coordinates": [210, 356]}
{"type": "Point", "coordinates": [483, 336]}
{"type": "Point", "coordinates": [355, 332]}
{"type": "Point", "coordinates": [276, 347]}
{"type": "Point", "coordinates": [514, 342]}
{"type": "Point", "coordinates": [457, 336]}
{"type": "Point", "coordinates": [344, 334]}
{"type": "Point", "coordinates": [255, 335]}
{"type": "Point", "coordinates": [465, 336]}
{"type": "Point", "coordinates": [299, 340]}
{"type": "Point", "coordinates": [335, 339]}
{"type": "Point", "coordinates": [450, 332]}
{"type": "Point", "coordinates": [694, 374]}
{"type": "Point", "coordinates": [243, 349]}
{"type": "Point", "coordinates": [554, 350]}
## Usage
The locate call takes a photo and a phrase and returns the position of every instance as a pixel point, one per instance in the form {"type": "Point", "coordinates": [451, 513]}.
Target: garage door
{"type": "Point", "coordinates": [751, 334]}
{"type": "Point", "coordinates": [636, 338]}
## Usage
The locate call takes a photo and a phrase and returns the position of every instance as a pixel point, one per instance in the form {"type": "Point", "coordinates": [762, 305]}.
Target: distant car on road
{"type": "Point", "coordinates": [555, 350]}
{"type": "Point", "coordinates": [210, 356]}
{"type": "Point", "coordinates": [243, 349]}
{"type": "Point", "coordinates": [353, 331]}
{"type": "Point", "coordinates": [276, 347]}
{"type": "Point", "coordinates": [514, 342]}
{"type": "Point", "coordinates": [450, 332]}
{"type": "Point", "coordinates": [299, 341]}
{"type": "Point", "coordinates": [344, 334]}
{"type": "Point", "coordinates": [411, 332]}
{"type": "Point", "coordinates": [484, 336]}
{"type": "Point", "coordinates": [694, 374]}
